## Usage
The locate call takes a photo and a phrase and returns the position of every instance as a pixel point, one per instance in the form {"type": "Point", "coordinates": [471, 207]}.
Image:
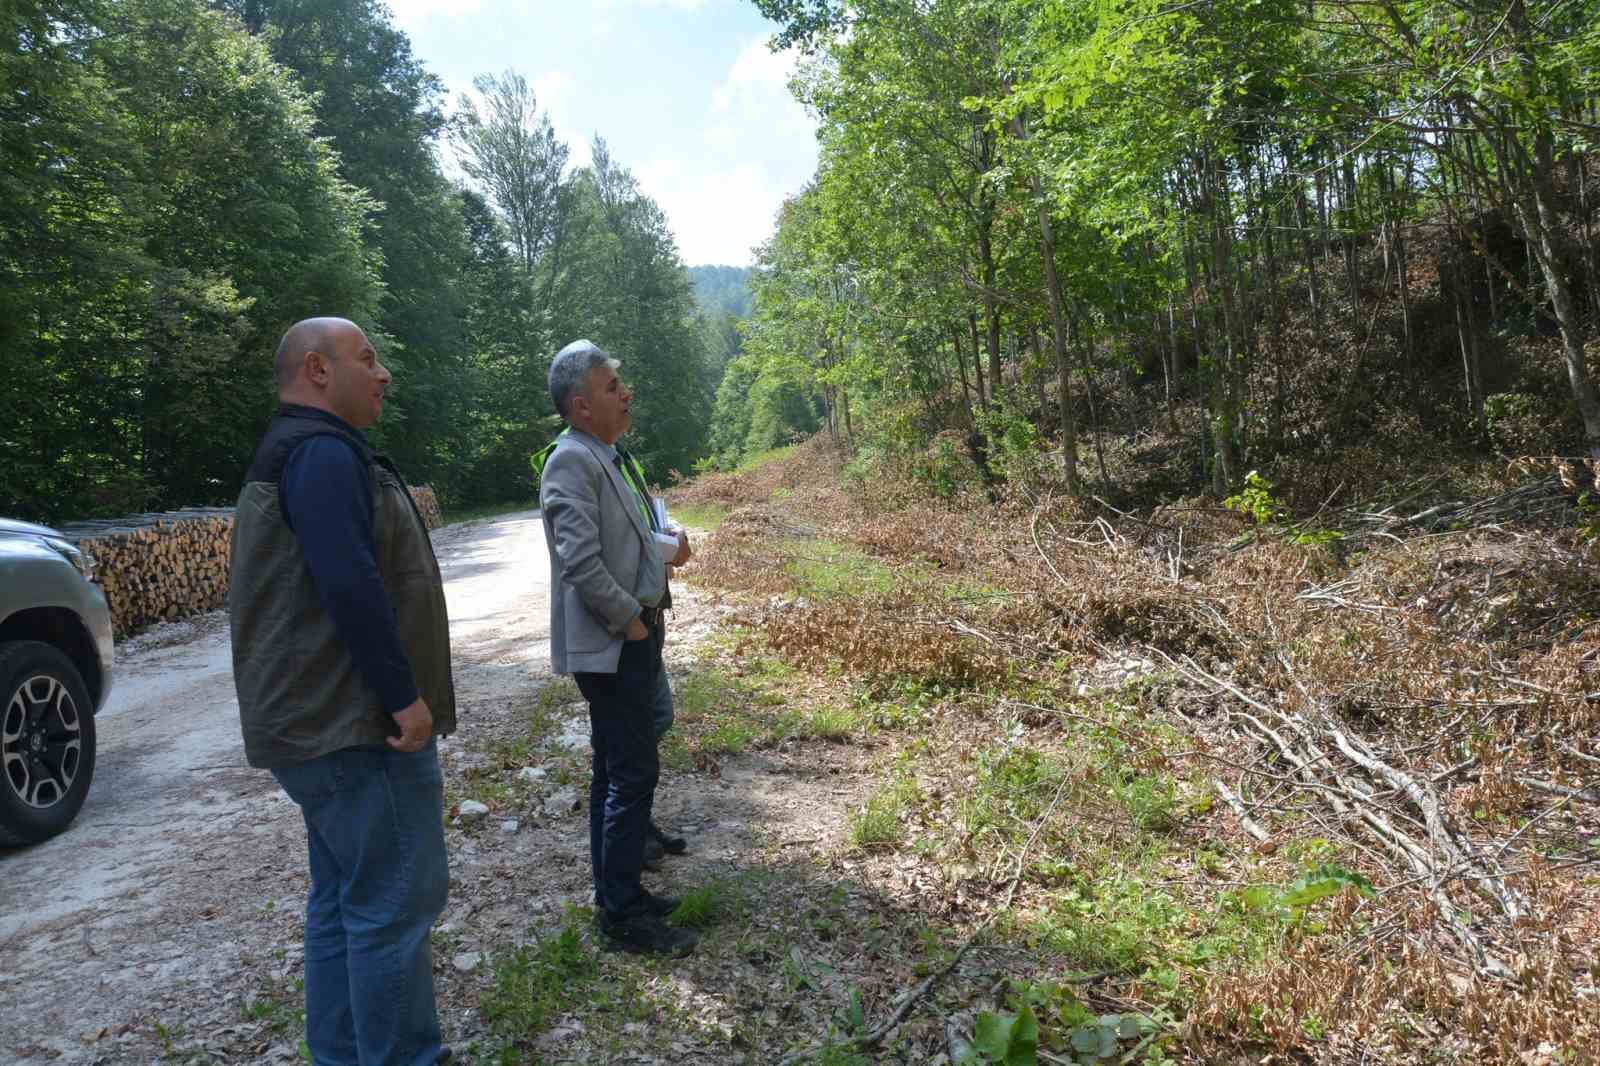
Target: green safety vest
{"type": "Point", "coordinates": [632, 473]}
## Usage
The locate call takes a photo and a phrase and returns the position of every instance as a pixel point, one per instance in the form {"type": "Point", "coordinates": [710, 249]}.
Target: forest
{"type": "Point", "coordinates": [181, 180]}
{"type": "Point", "coordinates": [1147, 542]}
{"type": "Point", "coordinates": [1315, 238]}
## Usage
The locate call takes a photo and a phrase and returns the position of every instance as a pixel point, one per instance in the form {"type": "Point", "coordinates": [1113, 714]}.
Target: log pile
{"type": "Point", "coordinates": [159, 567]}
{"type": "Point", "coordinates": [428, 504]}
{"type": "Point", "coordinates": [173, 564]}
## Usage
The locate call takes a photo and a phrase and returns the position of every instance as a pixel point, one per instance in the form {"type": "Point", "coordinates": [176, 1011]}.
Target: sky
{"type": "Point", "coordinates": [685, 93]}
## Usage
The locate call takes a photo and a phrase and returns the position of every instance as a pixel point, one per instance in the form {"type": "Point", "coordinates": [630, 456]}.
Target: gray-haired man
{"type": "Point", "coordinates": [606, 582]}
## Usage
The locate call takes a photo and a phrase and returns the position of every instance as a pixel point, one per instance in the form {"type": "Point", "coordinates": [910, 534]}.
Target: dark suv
{"type": "Point", "coordinates": [55, 673]}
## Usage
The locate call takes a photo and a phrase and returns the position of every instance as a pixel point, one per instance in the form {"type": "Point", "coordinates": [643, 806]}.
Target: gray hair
{"type": "Point", "coordinates": [569, 371]}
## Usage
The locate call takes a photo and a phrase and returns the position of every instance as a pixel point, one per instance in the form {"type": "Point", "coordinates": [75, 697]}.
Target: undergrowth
{"type": "Point", "coordinates": [1066, 690]}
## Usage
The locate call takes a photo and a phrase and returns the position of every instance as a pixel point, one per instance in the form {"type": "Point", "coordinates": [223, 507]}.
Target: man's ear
{"type": "Point", "coordinates": [317, 368]}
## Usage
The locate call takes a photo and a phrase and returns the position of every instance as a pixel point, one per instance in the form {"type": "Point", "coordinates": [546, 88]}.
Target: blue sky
{"type": "Point", "coordinates": [685, 93]}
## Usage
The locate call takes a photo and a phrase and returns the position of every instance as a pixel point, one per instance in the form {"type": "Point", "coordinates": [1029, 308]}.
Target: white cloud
{"type": "Point", "coordinates": [717, 217]}
{"type": "Point", "coordinates": [756, 146]}
{"type": "Point", "coordinates": [554, 92]}
{"type": "Point", "coordinates": [757, 73]}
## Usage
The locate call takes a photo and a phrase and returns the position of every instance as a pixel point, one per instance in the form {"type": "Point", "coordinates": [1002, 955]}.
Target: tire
{"type": "Point", "coordinates": [46, 742]}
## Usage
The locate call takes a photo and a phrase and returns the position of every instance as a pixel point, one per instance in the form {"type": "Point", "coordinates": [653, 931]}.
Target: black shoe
{"type": "Point", "coordinates": [653, 854]}
{"type": "Point", "coordinates": [672, 845]}
{"type": "Point", "coordinates": [646, 934]}
{"type": "Point", "coordinates": [660, 906]}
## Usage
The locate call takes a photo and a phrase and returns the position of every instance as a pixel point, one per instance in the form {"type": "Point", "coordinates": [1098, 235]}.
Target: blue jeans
{"type": "Point", "coordinates": [379, 876]}
{"type": "Point", "coordinates": [622, 787]}
{"type": "Point", "coordinates": [661, 706]}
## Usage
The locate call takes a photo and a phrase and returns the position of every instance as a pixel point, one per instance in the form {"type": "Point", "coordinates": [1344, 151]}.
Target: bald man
{"type": "Point", "coordinates": [341, 658]}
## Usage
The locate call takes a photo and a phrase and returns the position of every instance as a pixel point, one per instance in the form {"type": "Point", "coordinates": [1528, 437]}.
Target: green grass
{"type": "Point", "coordinates": [493, 780]}
{"type": "Point", "coordinates": [703, 907]}
{"type": "Point", "coordinates": [879, 823]}
{"type": "Point", "coordinates": [1014, 788]}
{"type": "Point", "coordinates": [1115, 918]}
{"type": "Point", "coordinates": [280, 1007]}
{"type": "Point", "coordinates": [455, 516]}
{"type": "Point", "coordinates": [718, 713]}
{"type": "Point", "coordinates": [824, 569]}
{"type": "Point", "coordinates": [536, 983]}
{"type": "Point", "coordinates": [831, 723]}
{"type": "Point", "coordinates": [706, 516]}
{"type": "Point", "coordinates": [749, 463]}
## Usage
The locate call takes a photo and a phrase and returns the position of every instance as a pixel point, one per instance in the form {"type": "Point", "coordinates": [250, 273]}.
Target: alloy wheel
{"type": "Point", "coordinates": [41, 741]}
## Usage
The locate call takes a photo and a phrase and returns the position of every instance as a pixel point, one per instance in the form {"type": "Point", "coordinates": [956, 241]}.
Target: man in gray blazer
{"type": "Point", "coordinates": [607, 579]}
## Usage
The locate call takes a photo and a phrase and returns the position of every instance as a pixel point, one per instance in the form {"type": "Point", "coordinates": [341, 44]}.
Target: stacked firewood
{"type": "Point", "coordinates": [160, 567]}
{"type": "Point", "coordinates": [428, 504]}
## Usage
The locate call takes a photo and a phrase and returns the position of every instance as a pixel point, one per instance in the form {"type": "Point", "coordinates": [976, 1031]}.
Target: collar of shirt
{"type": "Point", "coordinates": [607, 450]}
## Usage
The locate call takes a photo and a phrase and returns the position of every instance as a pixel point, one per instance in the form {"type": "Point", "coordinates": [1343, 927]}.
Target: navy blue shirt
{"type": "Point", "coordinates": [326, 495]}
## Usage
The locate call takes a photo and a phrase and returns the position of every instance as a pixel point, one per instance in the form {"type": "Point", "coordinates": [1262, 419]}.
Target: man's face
{"type": "Point", "coordinates": [606, 399]}
{"type": "Point", "coordinates": [356, 380]}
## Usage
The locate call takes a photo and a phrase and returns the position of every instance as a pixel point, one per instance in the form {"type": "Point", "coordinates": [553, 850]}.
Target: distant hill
{"type": "Point", "coordinates": [722, 288]}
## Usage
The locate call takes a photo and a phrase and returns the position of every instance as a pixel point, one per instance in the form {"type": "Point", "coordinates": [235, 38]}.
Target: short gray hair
{"type": "Point", "coordinates": [569, 370]}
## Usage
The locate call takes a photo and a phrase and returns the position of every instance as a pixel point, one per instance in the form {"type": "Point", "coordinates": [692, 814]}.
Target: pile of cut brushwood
{"type": "Point", "coordinates": [168, 565]}
{"type": "Point", "coordinates": [1414, 686]}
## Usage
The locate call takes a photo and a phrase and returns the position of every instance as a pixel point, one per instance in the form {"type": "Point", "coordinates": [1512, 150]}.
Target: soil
{"type": "Point", "coordinates": [165, 924]}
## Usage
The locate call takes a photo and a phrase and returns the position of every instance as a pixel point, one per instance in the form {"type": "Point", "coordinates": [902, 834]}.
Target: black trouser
{"type": "Point", "coordinates": [626, 768]}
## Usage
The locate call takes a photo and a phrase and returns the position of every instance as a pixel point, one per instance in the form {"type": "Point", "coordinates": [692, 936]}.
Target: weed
{"type": "Point", "coordinates": [834, 1054]}
{"type": "Point", "coordinates": [1257, 500]}
{"type": "Point", "coordinates": [1151, 801]}
{"type": "Point", "coordinates": [706, 516]}
{"type": "Point", "coordinates": [830, 723]}
{"type": "Point", "coordinates": [772, 455]}
{"type": "Point", "coordinates": [823, 569]}
{"type": "Point", "coordinates": [534, 983]}
{"type": "Point", "coordinates": [878, 823]}
{"type": "Point", "coordinates": [281, 1009]}
{"type": "Point", "coordinates": [722, 714]}
{"type": "Point", "coordinates": [1014, 788]}
{"type": "Point", "coordinates": [702, 907]}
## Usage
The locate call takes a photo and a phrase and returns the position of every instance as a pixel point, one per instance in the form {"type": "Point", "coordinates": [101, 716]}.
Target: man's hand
{"type": "Point", "coordinates": [416, 727]}
{"type": "Point", "coordinates": [683, 550]}
{"type": "Point", "coordinates": [636, 629]}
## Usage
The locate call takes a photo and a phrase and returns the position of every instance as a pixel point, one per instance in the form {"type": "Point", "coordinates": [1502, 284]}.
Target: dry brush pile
{"type": "Point", "coordinates": [1416, 685]}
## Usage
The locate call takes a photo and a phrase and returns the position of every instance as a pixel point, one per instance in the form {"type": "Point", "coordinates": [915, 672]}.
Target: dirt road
{"type": "Point", "coordinates": [177, 887]}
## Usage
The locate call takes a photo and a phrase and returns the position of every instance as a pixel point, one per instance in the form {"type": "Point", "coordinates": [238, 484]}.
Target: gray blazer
{"type": "Point", "coordinates": [603, 561]}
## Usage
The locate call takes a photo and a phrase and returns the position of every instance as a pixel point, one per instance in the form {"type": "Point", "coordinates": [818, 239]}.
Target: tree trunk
{"type": "Point", "coordinates": [977, 361]}
{"type": "Point", "coordinates": [849, 430]}
{"type": "Point", "coordinates": [1058, 341]}
{"type": "Point", "coordinates": [961, 365]}
{"type": "Point", "coordinates": [1539, 221]}
{"type": "Point", "coordinates": [991, 304]}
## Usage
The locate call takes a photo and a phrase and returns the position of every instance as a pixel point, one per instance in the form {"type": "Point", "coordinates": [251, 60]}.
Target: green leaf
{"type": "Point", "coordinates": [1258, 897]}
{"type": "Point", "coordinates": [992, 1035]}
{"type": "Point", "coordinates": [1023, 1047]}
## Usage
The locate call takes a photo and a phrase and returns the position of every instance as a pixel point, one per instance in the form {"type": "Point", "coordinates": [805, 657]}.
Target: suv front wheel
{"type": "Point", "coordinates": [46, 742]}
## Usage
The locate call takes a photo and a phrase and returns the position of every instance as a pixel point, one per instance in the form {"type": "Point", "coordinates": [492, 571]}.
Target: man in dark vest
{"type": "Point", "coordinates": [341, 657]}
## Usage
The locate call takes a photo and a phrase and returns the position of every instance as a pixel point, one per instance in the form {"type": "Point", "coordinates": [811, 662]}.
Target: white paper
{"type": "Point", "coordinates": [666, 546]}
{"type": "Point", "coordinates": [663, 520]}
